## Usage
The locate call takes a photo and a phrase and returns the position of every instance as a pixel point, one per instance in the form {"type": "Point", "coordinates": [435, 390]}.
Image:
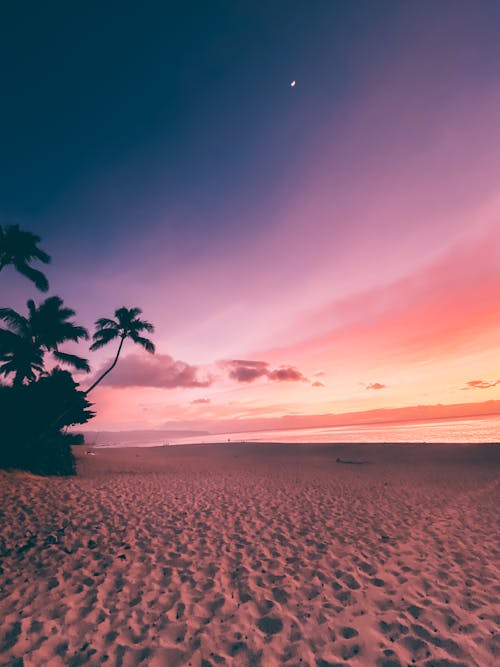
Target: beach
{"type": "Point", "coordinates": [254, 554]}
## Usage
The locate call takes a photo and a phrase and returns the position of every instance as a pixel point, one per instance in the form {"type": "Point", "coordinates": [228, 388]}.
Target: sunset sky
{"type": "Point", "coordinates": [332, 247]}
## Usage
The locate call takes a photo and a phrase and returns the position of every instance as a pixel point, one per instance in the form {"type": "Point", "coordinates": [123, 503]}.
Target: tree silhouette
{"type": "Point", "coordinates": [18, 249]}
{"type": "Point", "coordinates": [24, 344]}
{"type": "Point", "coordinates": [126, 325]}
{"type": "Point", "coordinates": [19, 356]}
{"type": "Point", "coordinates": [26, 410]}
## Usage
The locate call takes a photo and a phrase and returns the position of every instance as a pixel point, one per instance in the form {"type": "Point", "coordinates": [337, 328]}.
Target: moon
{"type": "Point", "coordinates": [293, 84]}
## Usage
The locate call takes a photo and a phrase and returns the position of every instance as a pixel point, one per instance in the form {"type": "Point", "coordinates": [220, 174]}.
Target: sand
{"type": "Point", "coordinates": [254, 555]}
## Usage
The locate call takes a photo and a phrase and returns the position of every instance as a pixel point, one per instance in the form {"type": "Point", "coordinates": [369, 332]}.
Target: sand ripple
{"type": "Point", "coordinates": [228, 556]}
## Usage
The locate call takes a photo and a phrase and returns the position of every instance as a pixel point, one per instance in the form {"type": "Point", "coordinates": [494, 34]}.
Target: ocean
{"type": "Point", "coordinates": [477, 430]}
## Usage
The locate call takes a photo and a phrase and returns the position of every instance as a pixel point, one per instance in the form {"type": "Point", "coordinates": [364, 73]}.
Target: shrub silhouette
{"type": "Point", "coordinates": [28, 411]}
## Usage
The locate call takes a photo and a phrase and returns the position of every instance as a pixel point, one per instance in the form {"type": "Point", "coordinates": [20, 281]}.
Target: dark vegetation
{"type": "Point", "coordinates": [38, 402]}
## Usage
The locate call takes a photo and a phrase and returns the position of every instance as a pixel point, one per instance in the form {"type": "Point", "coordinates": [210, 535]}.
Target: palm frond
{"type": "Point", "coordinates": [133, 312]}
{"type": "Point", "coordinates": [72, 360]}
{"type": "Point", "coordinates": [36, 277]}
{"type": "Point", "coordinates": [28, 372]}
{"type": "Point", "coordinates": [9, 341]}
{"type": "Point", "coordinates": [106, 323]}
{"type": "Point", "coordinates": [55, 305]}
{"type": "Point", "coordinates": [103, 337]}
{"type": "Point", "coordinates": [70, 331]}
{"type": "Point", "coordinates": [6, 366]}
{"type": "Point", "coordinates": [7, 336]}
{"type": "Point", "coordinates": [126, 314]}
{"type": "Point", "coordinates": [20, 357]}
{"type": "Point", "coordinates": [42, 256]}
{"type": "Point", "coordinates": [142, 325]}
{"type": "Point", "coordinates": [14, 319]}
{"type": "Point", "coordinates": [49, 323]}
{"type": "Point", "coordinates": [106, 334]}
{"type": "Point", "coordinates": [143, 342]}
{"type": "Point", "coordinates": [31, 308]}
{"type": "Point", "coordinates": [96, 345]}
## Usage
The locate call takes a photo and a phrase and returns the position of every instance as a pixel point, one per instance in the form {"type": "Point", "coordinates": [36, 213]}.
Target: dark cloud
{"type": "Point", "coordinates": [198, 401]}
{"type": "Point", "coordinates": [159, 370]}
{"type": "Point", "coordinates": [286, 374]}
{"type": "Point", "coordinates": [375, 385]}
{"type": "Point", "coordinates": [481, 384]}
{"type": "Point", "coordinates": [247, 371]}
{"type": "Point", "coordinates": [317, 384]}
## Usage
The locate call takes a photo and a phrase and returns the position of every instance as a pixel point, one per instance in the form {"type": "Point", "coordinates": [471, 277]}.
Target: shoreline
{"type": "Point", "coordinates": [372, 453]}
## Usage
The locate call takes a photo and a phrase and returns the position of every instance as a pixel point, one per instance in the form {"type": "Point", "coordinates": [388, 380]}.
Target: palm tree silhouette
{"type": "Point", "coordinates": [126, 325]}
{"type": "Point", "coordinates": [19, 248]}
{"type": "Point", "coordinates": [20, 356]}
{"type": "Point", "coordinates": [24, 344]}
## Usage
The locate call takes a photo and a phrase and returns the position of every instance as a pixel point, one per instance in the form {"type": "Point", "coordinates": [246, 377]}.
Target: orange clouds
{"type": "Point", "coordinates": [481, 384]}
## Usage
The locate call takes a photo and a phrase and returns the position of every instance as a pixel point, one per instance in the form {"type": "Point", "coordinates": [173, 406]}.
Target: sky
{"type": "Point", "coordinates": [327, 248]}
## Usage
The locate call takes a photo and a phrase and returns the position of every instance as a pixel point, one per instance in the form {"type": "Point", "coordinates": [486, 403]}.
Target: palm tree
{"type": "Point", "coordinates": [19, 248]}
{"type": "Point", "coordinates": [50, 325]}
{"type": "Point", "coordinates": [19, 356]}
{"type": "Point", "coordinates": [126, 325]}
{"type": "Point", "coordinates": [24, 344]}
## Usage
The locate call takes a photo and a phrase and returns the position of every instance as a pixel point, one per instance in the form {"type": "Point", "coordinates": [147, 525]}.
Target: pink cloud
{"type": "Point", "coordinates": [199, 401]}
{"type": "Point", "coordinates": [159, 370]}
{"type": "Point", "coordinates": [318, 384]}
{"type": "Point", "coordinates": [286, 374]}
{"type": "Point", "coordinates": [246, 371]}
{"type": "Point", "coordinates": [375, 385]}
{"type": "Point", "coordinates": [481, 384]}
{"type": "Point", "coordinates": [249, 371]}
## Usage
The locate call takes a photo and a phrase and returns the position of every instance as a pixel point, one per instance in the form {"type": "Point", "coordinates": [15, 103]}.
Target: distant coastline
{"type": "Point", "coordinates": [478, 429]}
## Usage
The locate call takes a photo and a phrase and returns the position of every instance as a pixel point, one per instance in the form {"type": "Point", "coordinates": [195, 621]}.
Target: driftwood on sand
{"type": "Point", "coordinates": [354, 463]}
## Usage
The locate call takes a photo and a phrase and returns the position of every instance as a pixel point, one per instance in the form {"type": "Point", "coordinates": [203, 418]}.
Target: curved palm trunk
{"type": "Point", "coordinates": [63, 414]}
{"type": "Point", "coordinates": [109, 369]}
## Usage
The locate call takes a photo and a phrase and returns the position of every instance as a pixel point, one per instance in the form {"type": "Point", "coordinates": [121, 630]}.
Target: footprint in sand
{"type": "Point", "coordinates": [270, 625]}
